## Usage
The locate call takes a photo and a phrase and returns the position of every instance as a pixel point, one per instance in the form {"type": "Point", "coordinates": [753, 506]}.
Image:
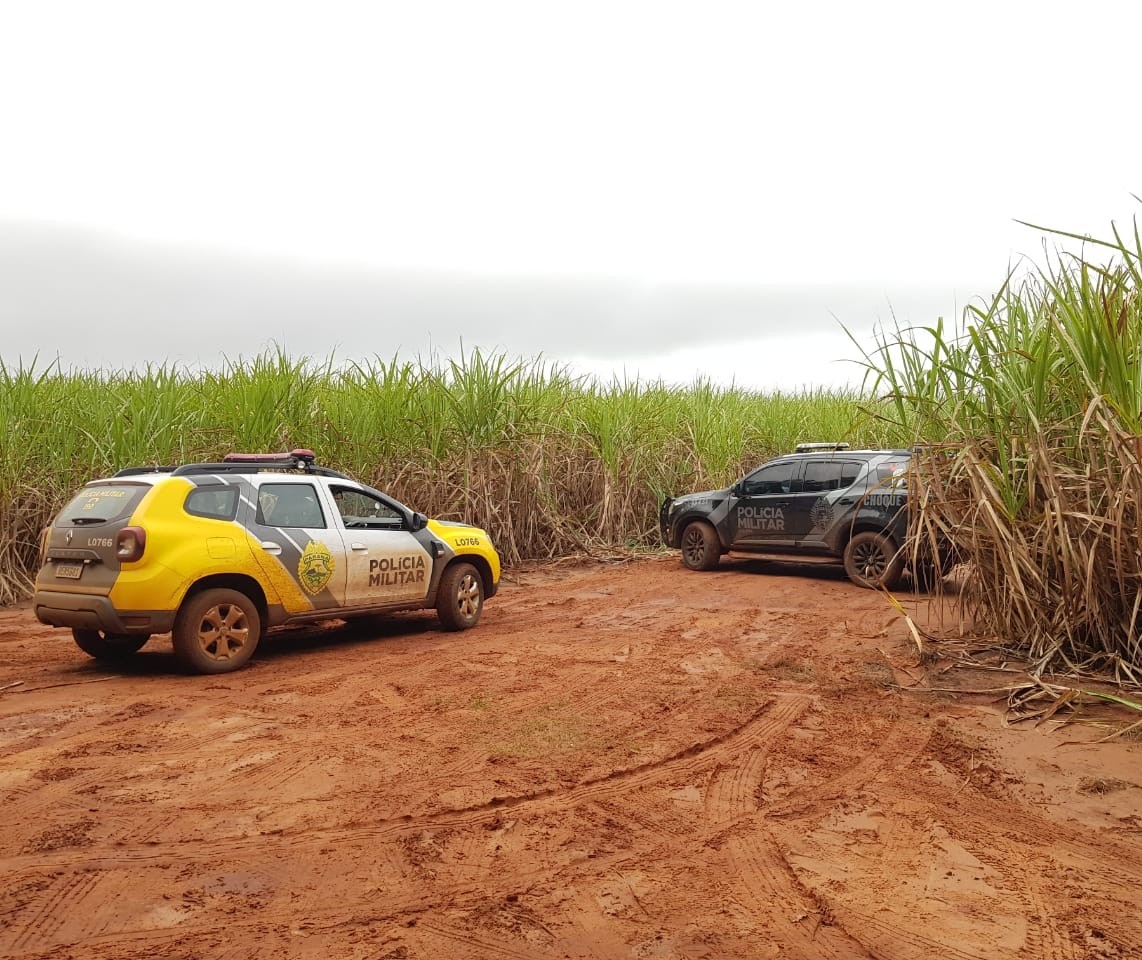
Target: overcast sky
{"type": "Point", "coordinates": [652, 189]}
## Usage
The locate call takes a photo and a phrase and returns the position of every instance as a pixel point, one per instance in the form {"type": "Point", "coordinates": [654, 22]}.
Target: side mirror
{"type": "Point", "coordinates": [419, 521]}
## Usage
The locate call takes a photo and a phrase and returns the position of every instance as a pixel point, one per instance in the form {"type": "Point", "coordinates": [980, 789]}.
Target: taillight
{"type": "Point", "coordinates": [44, 534]}
{"type": "Point", "coordinates": [130, 543]}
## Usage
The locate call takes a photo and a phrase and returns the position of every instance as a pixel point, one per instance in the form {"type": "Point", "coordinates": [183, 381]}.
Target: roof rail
{"type": "Point", "coordinates": [812, 447]}
{"type": "Point", "coordinates": [299, 460]}
{"type": "Point", "coordinates": [137, 471]}
{"type": "Point", "coordinates": [300, 456]}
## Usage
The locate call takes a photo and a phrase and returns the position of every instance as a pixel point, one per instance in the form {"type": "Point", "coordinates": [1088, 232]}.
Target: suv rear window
{"type": "Point", "coordinates": [216, 502]}
{"type": "Point", "coordinates": [102, 503]}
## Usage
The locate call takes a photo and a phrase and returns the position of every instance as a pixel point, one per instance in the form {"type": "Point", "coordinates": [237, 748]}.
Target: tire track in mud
{"type": "Point", "coordinates": [1004, 845]}
{"type": "Point", "coordinates": [450, 937]}
{"type": "Point", "coordinates": [769, 721]}
{"type": "Point", "coordinates": [66, 895]}
{"type": "Point", "coordinates": [794, 916]}
{"type": "Point", "coordinates": [733, 791]}
{"type": "Point", "coordinates": [760, 877]}
{"type": "Point", "coordinates": [897, 943]}
{"type": "Point", "coordinates": [273, 773]}
{"type": "Point", "coordinates": [897, 749]}
{"type": "Point", "coordinates": [732, 796]}
{"type": "Point", "coordinates": [888, 766]}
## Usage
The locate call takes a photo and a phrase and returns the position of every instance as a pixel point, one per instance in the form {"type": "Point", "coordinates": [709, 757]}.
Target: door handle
{"type": "Point", "coordinates": [846, 500]}
{"type": "Point", "coordinates": [359, 547]}
{"type": "Point", "coordinates": [270, 547]}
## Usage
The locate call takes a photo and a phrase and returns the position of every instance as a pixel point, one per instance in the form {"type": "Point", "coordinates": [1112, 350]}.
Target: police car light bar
{"type": "Point", "coordinates": [810, 447]}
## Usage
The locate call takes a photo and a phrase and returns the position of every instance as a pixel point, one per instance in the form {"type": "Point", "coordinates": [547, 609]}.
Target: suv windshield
{"type": "Point", "coordinates": [101, 503]}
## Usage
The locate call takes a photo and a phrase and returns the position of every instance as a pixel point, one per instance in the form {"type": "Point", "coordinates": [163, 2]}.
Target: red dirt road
{"type": "Point", "coordinates": [625, 761]}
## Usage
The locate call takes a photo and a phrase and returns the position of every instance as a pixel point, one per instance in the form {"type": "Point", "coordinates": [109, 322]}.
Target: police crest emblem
{"type": "Point", "coordinates": [315, 569]}
{"type": "Point", "coordinates": [821, 515]}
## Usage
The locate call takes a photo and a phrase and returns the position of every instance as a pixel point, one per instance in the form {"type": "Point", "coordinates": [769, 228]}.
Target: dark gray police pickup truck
{"type": "Point", "coordinates": [822, 502]}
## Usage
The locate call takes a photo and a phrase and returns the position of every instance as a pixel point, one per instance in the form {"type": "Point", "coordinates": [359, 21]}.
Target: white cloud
{"type": "Point", "coordinates": [885, 144]}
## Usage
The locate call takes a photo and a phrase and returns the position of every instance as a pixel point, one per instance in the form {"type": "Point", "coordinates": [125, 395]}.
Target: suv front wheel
{"type": "Point", "coordinates": [872, 560]}
{"type": "Point", "coordinates": [216, 631]}
{"type": "Point", "coordinates": [461, 597]}
{"type": "Point", "coordinates": [700, 547]}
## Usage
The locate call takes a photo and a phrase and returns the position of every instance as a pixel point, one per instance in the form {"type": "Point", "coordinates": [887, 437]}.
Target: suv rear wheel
{"type": "Point", "coordinates": [872, 560]}
{"type": "Point", "coordinates": [216, 631]}
{"type": "Point", "coordinates": [108, 646]}
{"type": "Point", "coordinates": [700, 547]}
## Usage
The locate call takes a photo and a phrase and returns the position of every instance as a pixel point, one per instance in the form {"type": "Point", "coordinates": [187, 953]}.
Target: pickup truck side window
{"type": "Point", "coordinates": [821, 476]}
{"type": "Point", "coordinates": [892, 475]}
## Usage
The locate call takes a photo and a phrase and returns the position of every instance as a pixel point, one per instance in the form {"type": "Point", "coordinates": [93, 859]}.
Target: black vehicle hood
{"type": "Point", "coordinates": [707, 496]}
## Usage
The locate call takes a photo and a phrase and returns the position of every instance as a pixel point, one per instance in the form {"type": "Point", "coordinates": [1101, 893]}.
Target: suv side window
{"type": "Point", "coordinates": [362, 510]}
{"type": "Point", "coordinates": [772, 478]}
{"type": "Point", "coordinates": [822, 475]}
{"type": "Point", "coordinates": [216, 502]}
{"type": "Point", "coordinates": [289, 505]}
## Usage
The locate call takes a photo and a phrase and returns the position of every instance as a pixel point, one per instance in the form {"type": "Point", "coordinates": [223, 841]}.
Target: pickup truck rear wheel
{"type": "Point", "coordinates": [872, 560]}
{"type": "Point", "coordinates": [108, 646]}
{"type": "Point", "coordinates": [700, 547]}
{"type": "Point", "coordinates": [216, 631]}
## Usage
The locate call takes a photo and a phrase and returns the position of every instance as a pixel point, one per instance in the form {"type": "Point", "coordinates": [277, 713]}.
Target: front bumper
{"type": "Point", "coordinates": [664, 521]}
{"type": "Point", "coordinates": [87, 612]}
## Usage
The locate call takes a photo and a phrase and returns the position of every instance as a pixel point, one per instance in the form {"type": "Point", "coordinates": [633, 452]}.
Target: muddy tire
{"type": "Point", "coordinates": [216, 631]}
{"type": "Point", "coordinates": [700, 547]}
{"type": "Point", "coordinates": [108, 646]}
{"type": "Point", "coordinates": [872, 560]}
{"type": "Point", "coordinates": [460, 599]}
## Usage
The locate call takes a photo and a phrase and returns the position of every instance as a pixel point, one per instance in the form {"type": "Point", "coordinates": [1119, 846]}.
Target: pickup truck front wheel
{"type": "Point", "coordinates": [700, 547]}
{"type": "Point", "coordinates": [872, 560]}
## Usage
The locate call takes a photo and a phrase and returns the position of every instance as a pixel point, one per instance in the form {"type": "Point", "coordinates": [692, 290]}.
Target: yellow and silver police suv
{"type": "Point", "coordinates": [216, 553]}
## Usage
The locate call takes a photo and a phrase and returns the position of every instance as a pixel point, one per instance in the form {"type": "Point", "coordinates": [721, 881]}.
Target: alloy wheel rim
{"type": "Point", "coordinates": [468, 596]}
{"type": "Point", "coordinates": [694, 546]}
{"type": "Point", "coordinates": [871, 562]}
{"type": "Point", "coordinates": [223, 632]}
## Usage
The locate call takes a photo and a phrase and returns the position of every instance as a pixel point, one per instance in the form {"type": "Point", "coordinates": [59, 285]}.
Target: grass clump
{"type": "Point", "coordinates": [551, 464]}
{"type": "Point", "coordinates": [1030, 413]}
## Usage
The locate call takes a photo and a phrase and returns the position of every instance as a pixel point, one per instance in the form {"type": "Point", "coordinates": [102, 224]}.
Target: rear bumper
{"type": "Point", "coordinates": [85, 612]}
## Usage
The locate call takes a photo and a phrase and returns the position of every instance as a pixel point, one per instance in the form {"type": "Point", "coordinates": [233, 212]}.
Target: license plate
{"type": "Point", "coordinates": [69, 571]}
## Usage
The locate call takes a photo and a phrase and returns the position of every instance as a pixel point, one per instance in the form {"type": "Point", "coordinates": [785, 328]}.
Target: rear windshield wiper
{"type": "Point", "coordinates": [80, 521]}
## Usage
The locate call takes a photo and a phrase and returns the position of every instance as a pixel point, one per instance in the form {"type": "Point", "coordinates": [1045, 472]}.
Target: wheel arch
{"type": "Point", "coordinates": [848, 531]}
{"type": "Point", "coordinates": [681, 523]}
{"type": "Point", "coordinates": [483, 568]}
{"type": "Point", "coordinates": [232, 581]}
